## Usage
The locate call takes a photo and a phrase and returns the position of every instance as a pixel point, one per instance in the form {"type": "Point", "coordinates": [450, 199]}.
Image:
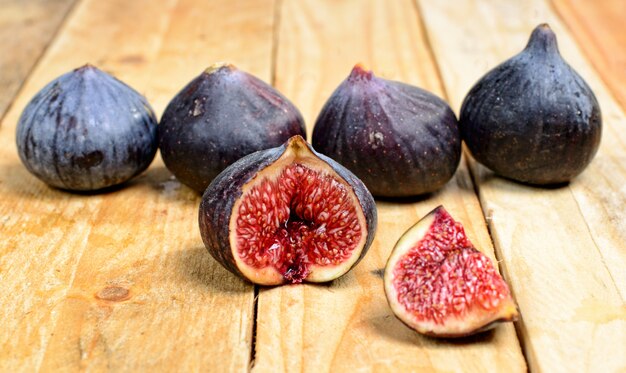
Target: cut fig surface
{"type": "Point", "coordinates": [439, 284]}
{"type": "Point", "coordinates": [287, 215]}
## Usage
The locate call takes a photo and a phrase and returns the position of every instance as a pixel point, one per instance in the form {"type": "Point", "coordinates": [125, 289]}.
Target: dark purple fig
{"type": "Point", "coordinates": [287, 215]}
{"type": "Point", "coordinates": [399, 139]}
{"type": "Point", "coordinates": [219, 117]}
{"type": "Point", "coordinates": [86, 131]}
{"type": "Point", "coordinates": [533, 118]}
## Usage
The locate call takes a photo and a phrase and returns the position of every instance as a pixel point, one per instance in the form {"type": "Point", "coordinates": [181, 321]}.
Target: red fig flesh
{"type": "Point", "coordinates": [437, 283]}
{"type": "Point", "coordinates": [287, 215]}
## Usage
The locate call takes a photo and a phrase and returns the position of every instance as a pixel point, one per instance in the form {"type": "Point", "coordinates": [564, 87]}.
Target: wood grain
{"type": "Point", "coordinates": [121, 281]}
{"type": "Point", "coordinates": [347, 325]}
{"type": "Point", "coordinates": [562, 247]}
{"type": "Point", "coordinates": [600, 31]}
{"type": "Point", "coordinates": [26, 29]}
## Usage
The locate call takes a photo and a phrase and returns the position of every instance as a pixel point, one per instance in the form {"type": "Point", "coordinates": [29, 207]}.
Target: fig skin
{"type": "Point", "coordinates": [400, 140]}
{"type": "Point", "coordinates": [86, 131]}
{"type": "Point", "coordinates": [533, 119]}
{"type": "Point", "coordinates": [219, 117]}
{"type": "Point", "coordinates": [220, 196]}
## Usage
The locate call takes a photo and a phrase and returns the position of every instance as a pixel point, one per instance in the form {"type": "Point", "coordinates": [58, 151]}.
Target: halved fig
{"type": "Point", "coordinates": [287, 215]}
{"type": "Point", "coordinates": [437, 283]}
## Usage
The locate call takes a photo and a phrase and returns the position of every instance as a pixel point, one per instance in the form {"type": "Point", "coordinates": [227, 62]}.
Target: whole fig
{"type": "Point", "coordinates": [399, 139]}
{"type": "Point", "coordinates": [533, 118]}
{"type": "Point", "coordinates": [86, 131]}
{"type": "Point", "coordinates": [219, 117]}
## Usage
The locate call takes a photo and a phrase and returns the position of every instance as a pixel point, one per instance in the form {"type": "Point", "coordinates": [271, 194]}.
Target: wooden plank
{"type": "Point", "coordinates": [121, 281]}
{"type": "Point", "coordinates": [600, 31]}
{"type": "Point", "coordinates": [26, 29]}
{"type": "Point", "coordinates": [562, 248]}
{"type": "Point", "coordinates": [347, 325]}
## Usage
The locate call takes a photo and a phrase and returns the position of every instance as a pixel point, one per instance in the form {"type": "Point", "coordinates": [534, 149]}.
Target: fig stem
{"type": "Point", "coordinates": [543, 39]}
{"type": "Point", "coordinates": [219, 66]}
{"type": "Point", "coordinates": [86, 66]}
{"type": "Point", "coordinates": [360, 72]}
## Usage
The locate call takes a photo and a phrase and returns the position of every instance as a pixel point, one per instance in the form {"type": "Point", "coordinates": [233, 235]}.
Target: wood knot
{"type": "Point", "coordinates": [113, 294]}
{"type": "Point", "coordinates": [132, 59]}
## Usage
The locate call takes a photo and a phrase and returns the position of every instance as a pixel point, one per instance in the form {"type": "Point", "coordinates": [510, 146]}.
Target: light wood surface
{"type": "Point", "coordinates": [600, 31]}
{"type": "Point", "coordinates": [26, 29]}
{"type": "Point", "coordinates": [563, 248]}
{"type": "Point", "coordinates": [121, 281]}
{"type": "Point", "coordinates": [347, 325]}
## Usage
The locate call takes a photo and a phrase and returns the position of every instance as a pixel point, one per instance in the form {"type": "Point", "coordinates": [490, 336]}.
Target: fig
{"type": "Point", "coordinates": [86, 131]}
{"type": "Point", "coordinates": [533, 119]}
{"type": "Point", "coordinates": [287, 215]}
{"type": "Point", "coordinates": [220, 116]}
{"type": "Point", "coordinates": [400, 140]}
{"type": "Point", "coordinates": [438, 284]}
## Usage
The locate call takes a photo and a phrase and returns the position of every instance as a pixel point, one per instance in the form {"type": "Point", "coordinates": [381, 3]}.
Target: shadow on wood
{"type": "Point", "coordinates": [195, 265]}
{"type": "Point", "coordinates": [161, 180]}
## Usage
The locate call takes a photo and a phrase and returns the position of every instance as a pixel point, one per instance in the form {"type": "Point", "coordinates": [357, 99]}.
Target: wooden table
{"type": "Point", "coordinates": [121, 281]}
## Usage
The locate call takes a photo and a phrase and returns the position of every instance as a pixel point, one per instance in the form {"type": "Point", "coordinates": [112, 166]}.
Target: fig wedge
{"type": "Point", "coordinates": [440, 285]}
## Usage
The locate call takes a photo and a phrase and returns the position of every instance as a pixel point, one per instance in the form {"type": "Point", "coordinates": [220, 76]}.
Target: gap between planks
{"type": "Point", "coordinates": [439, 84]}
{"type": "Point", "coordinates": [255, 313]}
{"type": "Point", "coordinates": [518, 325]}
{"type": "Point", "coordinates": [466, 159]}
{"type": "Point", "coordinates": [475, 172]}
{"type": "Point", "coordinates": [273, 66]}
{"type": "Point", "coordinates": [53, 53]}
